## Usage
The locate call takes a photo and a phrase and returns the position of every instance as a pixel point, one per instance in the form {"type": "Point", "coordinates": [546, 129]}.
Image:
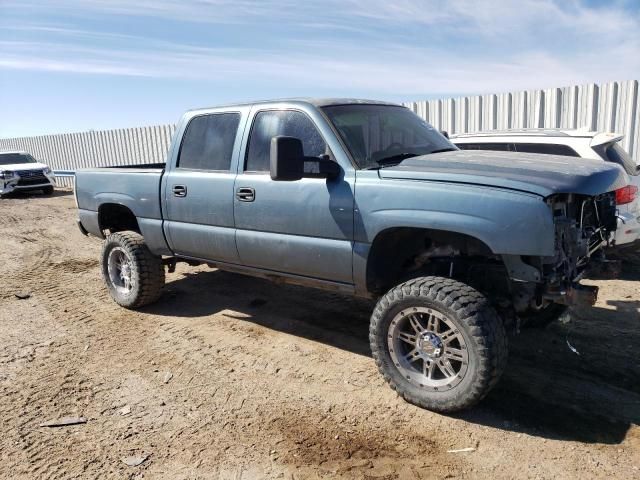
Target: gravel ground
{"type": "Point", "coordinates": [233, 377]}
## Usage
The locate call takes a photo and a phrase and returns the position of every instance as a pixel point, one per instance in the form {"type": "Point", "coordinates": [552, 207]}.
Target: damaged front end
{"type": "Point", "coordinates": [583, 226]}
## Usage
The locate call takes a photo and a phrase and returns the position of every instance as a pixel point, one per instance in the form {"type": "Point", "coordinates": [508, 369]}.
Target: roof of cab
{"type": "Point", "coordinates": [316, 102]}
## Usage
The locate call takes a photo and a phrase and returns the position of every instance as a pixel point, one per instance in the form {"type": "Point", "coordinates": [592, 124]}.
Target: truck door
{"type": "Point", "coordinates": [198, 190]}
{"type": "Point", "coordinates": [302, 227]}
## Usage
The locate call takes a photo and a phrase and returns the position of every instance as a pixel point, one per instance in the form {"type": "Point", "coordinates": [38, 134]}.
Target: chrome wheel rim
{"type": "Point", "coordinates": [119, 269]}
{"type": "Point", "coordinates": [428, 349]}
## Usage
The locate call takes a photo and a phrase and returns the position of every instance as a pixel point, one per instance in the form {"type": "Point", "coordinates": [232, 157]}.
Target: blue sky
{"type": "Point", "coordinates": [69, 65]}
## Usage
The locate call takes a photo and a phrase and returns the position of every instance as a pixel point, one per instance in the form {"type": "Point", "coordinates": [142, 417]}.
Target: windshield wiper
{"type": "Point", "coordinates": [392, 160]}
{"type": "Point", "coordinates": [448, 149]}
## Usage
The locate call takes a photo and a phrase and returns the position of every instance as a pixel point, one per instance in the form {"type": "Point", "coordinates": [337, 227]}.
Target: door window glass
{"type": "Point", "coordinates": [208, 142]}
{"type": "Point", "coordinates": [268, 124]}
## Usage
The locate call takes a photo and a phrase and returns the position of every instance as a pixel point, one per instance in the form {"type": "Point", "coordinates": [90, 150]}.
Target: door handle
{"type": "Point", "coordinates": [246, 194]}
{"type": "Point", "coordinates": [179, 190]}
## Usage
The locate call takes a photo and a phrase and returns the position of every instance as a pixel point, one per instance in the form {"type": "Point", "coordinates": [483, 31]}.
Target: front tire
{"type": "Point", "coordinates": [438, 343]}
{"type": "Point", "coordinates": [133, 275]}
{"type": "Point", "coordinates": [48, 190]}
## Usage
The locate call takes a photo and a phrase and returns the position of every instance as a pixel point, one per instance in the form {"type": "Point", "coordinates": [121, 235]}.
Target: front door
{"type": "Point", "coordinates": [302, 227]}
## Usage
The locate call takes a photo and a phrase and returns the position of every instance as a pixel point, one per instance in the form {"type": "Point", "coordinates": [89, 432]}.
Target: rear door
{"type": "Point", "coordinates": [198, 189]}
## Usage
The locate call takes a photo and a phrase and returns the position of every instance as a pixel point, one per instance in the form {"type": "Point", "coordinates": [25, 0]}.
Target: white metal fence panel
{"type": "Point", "coordinates": [70, 151]}
{"type": "Point", "coordinates": [613, 106]}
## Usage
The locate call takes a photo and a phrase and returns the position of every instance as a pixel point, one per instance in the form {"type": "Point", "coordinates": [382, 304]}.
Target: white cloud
{"type": "Point", "coordinates": [391, 71]}
{"type": "Point", "coordinates": [557, 43]}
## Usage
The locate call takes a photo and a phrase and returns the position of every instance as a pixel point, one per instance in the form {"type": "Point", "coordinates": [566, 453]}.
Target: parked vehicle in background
{"type": "Point", "coordinates": [571, 143]}
{"type": "Point", "coordinates": [367, 199]}
{"type": "Point", "coordinates": [20, 172]}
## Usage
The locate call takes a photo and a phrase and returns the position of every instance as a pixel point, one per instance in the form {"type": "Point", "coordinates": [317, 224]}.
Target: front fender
{"type": "Point", "coordinates": [508, 222]}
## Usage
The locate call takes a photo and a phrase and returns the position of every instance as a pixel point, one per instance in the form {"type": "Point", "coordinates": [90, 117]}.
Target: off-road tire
{"type": "Point", "coordinates": [471, 312]}
{"type": "Point", "coordinates": [48, 190]}
{"type": "Point", "coordinates": [147, 270]}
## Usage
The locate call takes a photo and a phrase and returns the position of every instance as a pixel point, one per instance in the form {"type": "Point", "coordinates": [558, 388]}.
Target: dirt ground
{"type": "Point", "coordinates": [234, 377]}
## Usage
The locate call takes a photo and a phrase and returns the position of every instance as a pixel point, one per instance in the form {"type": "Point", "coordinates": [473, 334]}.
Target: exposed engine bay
{"type": "Point", "coordinates": [584, 225]}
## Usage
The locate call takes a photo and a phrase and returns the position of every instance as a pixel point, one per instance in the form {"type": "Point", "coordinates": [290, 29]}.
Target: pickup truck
{"type": "Point", "coordinates": [367, 199]}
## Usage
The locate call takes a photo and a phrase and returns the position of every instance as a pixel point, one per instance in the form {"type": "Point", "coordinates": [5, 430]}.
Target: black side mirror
{"type": "Point", "coordinates": [445, 133]}
{"type": "Point", "coordinates": [288, 163]}
{"type": "Point", "coordinates": [287, 158]}
{"type": "Point", "coordinates": [322, 167]}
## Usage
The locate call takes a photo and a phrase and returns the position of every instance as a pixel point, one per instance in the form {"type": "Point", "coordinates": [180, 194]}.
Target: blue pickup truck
{"type": "Point", "coordinates": [365, 198]}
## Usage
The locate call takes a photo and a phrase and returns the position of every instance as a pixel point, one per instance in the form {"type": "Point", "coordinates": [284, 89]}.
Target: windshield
{"type": "Point", "coordinates": [378, 135]}
{"type": "Point", "coordinates": [13, 158]}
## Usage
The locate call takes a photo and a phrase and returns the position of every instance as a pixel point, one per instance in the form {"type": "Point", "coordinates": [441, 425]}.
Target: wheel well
{"type": "Point", "coordinates": [397, 254]}
{"type": "Point", "coordinates": [116, 218]}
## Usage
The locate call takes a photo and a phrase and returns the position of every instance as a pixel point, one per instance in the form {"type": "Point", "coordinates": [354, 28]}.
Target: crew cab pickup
{"type": "Point", "coordinates": [364, 198]}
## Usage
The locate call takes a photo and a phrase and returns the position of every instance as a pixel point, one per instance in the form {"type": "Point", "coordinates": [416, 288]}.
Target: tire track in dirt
{"type": "Point", "coordinates": [286, 374]}
{"type": "Point", "coordinates": [54, 284]}
{"type": "Point", "coordinates": [8, 220]}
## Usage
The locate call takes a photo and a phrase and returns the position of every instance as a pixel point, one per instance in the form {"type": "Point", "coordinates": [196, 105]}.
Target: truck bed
{"type": "Point", "coordinates": [134, 187]}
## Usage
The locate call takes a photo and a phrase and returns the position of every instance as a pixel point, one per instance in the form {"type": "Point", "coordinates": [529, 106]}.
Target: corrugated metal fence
{"type": "Point", "coordinates": [613, 106]}
{"type": "Point", "coordinates": [69, 151]}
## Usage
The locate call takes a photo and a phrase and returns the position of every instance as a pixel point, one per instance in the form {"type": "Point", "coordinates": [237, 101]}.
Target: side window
{"type": "Point", "coordinates": [272, 123]}
{"type": "Point", "coordinates": [208, 142]}
{"type": "Point", "coordinates": [501, 147]}
{"type": "Point", "coordinates": [546, 148]}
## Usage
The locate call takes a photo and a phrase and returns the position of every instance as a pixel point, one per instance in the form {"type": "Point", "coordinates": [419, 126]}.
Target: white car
{"type": "Point", "coordinates": [20, 172]}
{"type": "Point", "coordinates": [572, 143]}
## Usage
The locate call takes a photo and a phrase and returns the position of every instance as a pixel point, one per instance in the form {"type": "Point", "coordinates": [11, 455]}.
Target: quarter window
{"type": "Point", "coordinates": [290, 123]}
{"type": "Point", "coordinates": [208, 142]}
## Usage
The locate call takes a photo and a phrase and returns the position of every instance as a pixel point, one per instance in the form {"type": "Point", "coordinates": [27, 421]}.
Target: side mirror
{"type": "Point", "coordinates": [286, 159]}
{"type": "Point", "coordinates": [445, 133]}
{"type": "Point", "coordinates": [321, 166]}
{"type": "Point", "coordinates": [288, 163]}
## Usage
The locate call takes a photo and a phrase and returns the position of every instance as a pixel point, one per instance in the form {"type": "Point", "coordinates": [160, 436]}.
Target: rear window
{"type": "Point", "coordinates": [546, 149]}
{"type": "Point", "coordinates": [616, 154]}
{"type": "Point", "coordinates": [500, 147]}
{"type": "Point", "coordinates": [208, 142]}
{"type": "Point", "coordinates": [12, 158]}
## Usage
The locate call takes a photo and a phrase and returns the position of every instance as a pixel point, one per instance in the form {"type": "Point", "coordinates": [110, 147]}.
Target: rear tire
{"type": "Point", "coordinates": [133, 275]}
{"type": "Point", "coordinates": [438, 343]}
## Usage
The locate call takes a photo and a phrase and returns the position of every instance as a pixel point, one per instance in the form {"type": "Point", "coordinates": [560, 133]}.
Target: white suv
{"type": "Point", "coordinates": [571, 143]}
{"type": "Point", "coordinates": [20, 172]}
